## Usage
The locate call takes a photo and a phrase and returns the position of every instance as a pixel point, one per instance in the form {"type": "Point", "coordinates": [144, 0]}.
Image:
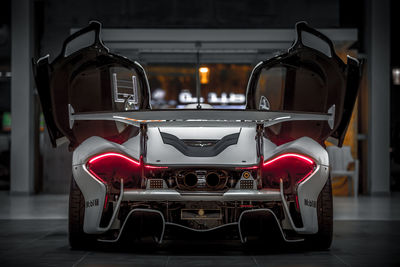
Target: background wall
{"type": "Point", "coordinates": [180, 14]}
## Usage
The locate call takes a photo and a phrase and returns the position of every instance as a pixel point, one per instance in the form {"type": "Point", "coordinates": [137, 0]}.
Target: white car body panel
{"type": "Point", "coordinates": [244, 153]}
{"type": "Point", "coordinates": [93, 189]}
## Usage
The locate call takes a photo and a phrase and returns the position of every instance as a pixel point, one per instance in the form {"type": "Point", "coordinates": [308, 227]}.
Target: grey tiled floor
{"type": "Point", "coordinates": [370, 208]}
{"type": "Point", "coordinates": [44, 243]}
{"type": "Point", "coordinates": [16, 207]}
{"type": "Point", "coordinates": [35, 234]}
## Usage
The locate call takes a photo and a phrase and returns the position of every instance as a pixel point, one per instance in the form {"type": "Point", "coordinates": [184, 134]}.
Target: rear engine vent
{"type": "Point", "coordinates": [246, 184]}
{"type": "Point", "coordinates": [156, 183]}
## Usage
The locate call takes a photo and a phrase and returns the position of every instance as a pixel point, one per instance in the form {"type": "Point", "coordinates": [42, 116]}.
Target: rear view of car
{"type": "Point", "coordinates": [139, 171]}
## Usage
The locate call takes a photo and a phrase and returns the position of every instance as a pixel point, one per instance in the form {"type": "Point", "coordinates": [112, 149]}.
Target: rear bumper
{"type": "Point", "coordinates": [235, 195]}
{"type": "Point", "coordinates": [173, 195]}
{"type": "Point", "coordinates": [94, 192]}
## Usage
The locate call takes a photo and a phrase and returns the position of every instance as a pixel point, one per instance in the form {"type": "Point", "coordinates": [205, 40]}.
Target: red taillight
{"type": "Point", "coordinates": [157, 172]}
{"type": "Point", "coordinates": [112, 167]}
{"type": "Point", "coordinates": [154, 167]}
{"type": "Point", "coordinates": [291, 168]}
{"type": "Point", "coordinates": [247, 168]}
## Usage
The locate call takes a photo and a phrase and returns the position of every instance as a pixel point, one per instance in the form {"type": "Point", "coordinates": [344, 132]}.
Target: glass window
{"type": "Point", "coordinates": [292, 88]}
{"type": "Point", "coordinates": [222, 85]}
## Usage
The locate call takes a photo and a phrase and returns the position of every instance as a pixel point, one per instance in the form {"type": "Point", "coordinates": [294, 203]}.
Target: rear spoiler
{"type": "Point", "coordinates": [204, 117]}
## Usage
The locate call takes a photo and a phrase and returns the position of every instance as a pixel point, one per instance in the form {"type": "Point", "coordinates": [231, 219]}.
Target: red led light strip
{"type": "Point", "coordinates": [289, 155]}
{"type": "Point", "coordinates": [92, 160]}
{"type": "Point", "coordinates": [247, 168]}
{"type": "Point", "coordinates": [121, 156]}
{"type": "Point", "coordinates": [155, 167]}
{"type": "Point", "coordinates": [304, 158]}
{"type": "Point", "coordinates": [113, 154]}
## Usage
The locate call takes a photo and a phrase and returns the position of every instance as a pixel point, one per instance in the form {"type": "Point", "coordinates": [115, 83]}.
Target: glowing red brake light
{"type": "Point", "coordinates": [155, 167]}
{"type": "Point", "coordinates": [291, 168]}
{"type": "Point", "coordinates": [112, 167]}
{"type": "Point", "coordinates": [247, 168]}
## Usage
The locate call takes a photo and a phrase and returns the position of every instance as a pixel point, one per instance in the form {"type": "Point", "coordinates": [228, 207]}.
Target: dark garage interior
{"type": "Point", "coordinates": [183, 46]}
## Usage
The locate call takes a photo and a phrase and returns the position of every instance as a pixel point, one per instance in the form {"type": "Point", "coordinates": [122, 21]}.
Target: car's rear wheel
{"type": "Point", "coordinates": [323, 238]}
{"type": "Point", "coordinates": [78, 239]}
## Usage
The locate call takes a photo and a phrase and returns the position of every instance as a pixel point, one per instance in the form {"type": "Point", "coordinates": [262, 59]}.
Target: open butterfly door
{"type": "Point", "coordinates": [310, 77]}
{"type": "Point", "coordinates": [86, 77]}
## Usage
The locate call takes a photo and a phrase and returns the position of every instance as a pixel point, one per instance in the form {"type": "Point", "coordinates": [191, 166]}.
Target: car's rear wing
{"type": "Point", "coordinates": [204, 117]}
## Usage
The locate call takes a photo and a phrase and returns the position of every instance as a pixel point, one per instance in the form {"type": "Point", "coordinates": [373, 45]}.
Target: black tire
{"type": "Point", "coordinates": [78, 239]}
{"type": "Point", "coordinates": [322, 240]}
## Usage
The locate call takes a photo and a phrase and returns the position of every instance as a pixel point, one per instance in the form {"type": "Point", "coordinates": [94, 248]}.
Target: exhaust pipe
{"type": "Point", "coordinates": [190, 179]}
{"type": "Point", "coordinates": [212, 179]}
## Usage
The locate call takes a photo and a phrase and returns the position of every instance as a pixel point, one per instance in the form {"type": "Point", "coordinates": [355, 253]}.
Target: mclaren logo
{"type": "Point", "coordinates": [310, 203]}
{"type": "Point", "coordinates": [92, 203]}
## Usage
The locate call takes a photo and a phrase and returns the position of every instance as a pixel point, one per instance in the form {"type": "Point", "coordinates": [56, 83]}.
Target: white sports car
{"type": "Point", "coordinates": [144, 172]}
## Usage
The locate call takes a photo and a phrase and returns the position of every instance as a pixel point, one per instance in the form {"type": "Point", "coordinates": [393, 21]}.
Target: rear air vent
{"type": "Point", "coordinates": [156, 183]}
{"type": "Point", "coordinates": [246, 184]}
